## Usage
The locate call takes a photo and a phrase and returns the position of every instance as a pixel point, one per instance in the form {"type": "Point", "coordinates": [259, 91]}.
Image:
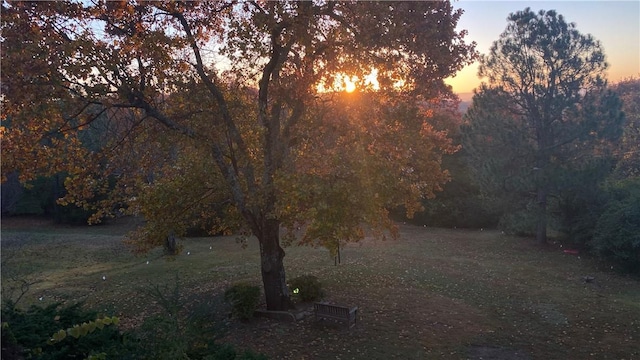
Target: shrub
{"type": "Point", "coordinates": [244, 299]}
{"type": "Point", "coordinates": [617, 235]}
{"type": "Point", "coordinates": [180, 327]}
{"type": "Point", "coordinates": [28, 332]}
{"type": "Point", "coordinates": [68, 332]}
{"type": "Point", "coordinates": [306, 288]}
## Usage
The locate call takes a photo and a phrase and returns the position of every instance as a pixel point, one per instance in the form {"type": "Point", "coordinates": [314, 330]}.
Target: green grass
{"type": "Point", "coordinates": [432, 294]}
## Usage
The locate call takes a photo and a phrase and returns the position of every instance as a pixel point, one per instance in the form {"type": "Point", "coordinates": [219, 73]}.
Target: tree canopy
{"type": "Point", "coordinates": [629, 153]}
{"type": "Point", "coordinates": [209, 112]}
{"type": "Point", "coordinates": [543, 116]}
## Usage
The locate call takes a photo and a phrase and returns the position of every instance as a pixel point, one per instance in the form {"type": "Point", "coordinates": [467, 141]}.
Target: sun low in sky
{"type": "Point", "coordinates": [616, 24]}
{"type": "Point", "coordinates": [349, 84]}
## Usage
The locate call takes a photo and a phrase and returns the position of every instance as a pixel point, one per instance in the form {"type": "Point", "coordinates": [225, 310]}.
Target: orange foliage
{"type": "Point", "coordinates": [133, 102]}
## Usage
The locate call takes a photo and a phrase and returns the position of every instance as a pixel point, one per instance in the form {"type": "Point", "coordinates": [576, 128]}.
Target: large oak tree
{"type": "Point", "coordinates": [209, 112]}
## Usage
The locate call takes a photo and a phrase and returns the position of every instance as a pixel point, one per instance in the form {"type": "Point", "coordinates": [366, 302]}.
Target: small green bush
{"type": "Point", "coordinates": [185, 327]}
{"type": "Point", "coordinates": [306, 288]}
{"type": "Point", "coordinates": [181, 327]}
{"type": "Point", "coordinates": [244, 299]}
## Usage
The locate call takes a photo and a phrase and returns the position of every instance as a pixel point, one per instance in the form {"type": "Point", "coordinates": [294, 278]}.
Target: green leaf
{"type": "Point", "coordinates": [92, 326]}
{"type": "Point", "coordinates": [74, 331]}
{"type": "Point", "coordinates": [84, 329]}
{"type": "Point", "coordinates": [59, 336]}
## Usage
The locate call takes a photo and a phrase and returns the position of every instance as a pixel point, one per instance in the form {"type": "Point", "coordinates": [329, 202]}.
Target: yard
{"type": "Point", "coordinates": [432, 294]}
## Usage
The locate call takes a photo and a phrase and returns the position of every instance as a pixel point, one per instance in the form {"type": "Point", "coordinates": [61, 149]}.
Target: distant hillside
{"type": "Point", "coordinates": [465, 101]}
{"type": "Point", "coordinates": [464, 105]}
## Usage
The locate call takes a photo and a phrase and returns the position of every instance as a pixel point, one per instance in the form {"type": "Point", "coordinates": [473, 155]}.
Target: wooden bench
{"type": "Point", "coordinates": [336, 312]}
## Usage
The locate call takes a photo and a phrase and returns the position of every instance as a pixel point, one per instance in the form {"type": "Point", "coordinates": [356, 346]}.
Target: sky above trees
{"type": "Point", "coordinates": [616, 24]}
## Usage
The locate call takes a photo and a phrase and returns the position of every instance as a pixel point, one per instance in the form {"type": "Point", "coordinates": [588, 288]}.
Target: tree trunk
{"type": "Point", "coordinates": [541, 222]}
{"type": "Point", "coordinates": [276, 291]}
{"type": "Point", "coordinates": [542, 188]}
{"type": "Point", "coordinates": [170, 244]}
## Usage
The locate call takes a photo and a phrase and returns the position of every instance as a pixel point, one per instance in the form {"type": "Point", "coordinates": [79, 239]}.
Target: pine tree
{"type": "Point", "coordinates": [543, 116]}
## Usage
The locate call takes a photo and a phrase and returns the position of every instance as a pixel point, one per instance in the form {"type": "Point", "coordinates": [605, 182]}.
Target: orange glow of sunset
{"type": "Point", "coordinates": [349, 83]}
{"type": "Point", "coordinates": [616, 26]}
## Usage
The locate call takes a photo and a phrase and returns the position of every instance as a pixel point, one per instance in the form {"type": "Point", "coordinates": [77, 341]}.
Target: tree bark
{"type": "Point", "coordinates": [541, 222]}
{"type": "Point", "coordinates": [171, 245]}
{"type": "Point", "coordinates": [545, 142]}
{"type": "Point", "coordinates": [274, 280]}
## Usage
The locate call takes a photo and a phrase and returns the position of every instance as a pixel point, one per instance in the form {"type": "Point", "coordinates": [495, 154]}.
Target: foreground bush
{"type": "Point", "coordinates": [175, 331]}
{"type": "Point", "coordinates": [28, 333]}
{"type": "Point", "coordinates": [306, 288]}
{"type": "Point", "coordinates": [244, 299]}
{"type": "Point", "coordinates": [184, 327]}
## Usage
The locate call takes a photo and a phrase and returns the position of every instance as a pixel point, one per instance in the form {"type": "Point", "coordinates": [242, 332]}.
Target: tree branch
{"type": "Point", "coordinates": [229, 172]}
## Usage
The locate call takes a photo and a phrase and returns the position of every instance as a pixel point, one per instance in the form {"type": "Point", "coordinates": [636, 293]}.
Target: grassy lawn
{"type": "Point", "coordinates": [432, 294]}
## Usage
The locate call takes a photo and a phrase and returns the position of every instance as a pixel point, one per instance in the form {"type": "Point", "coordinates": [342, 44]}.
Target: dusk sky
{"type": "Point", "coordinates": [616, 24]}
